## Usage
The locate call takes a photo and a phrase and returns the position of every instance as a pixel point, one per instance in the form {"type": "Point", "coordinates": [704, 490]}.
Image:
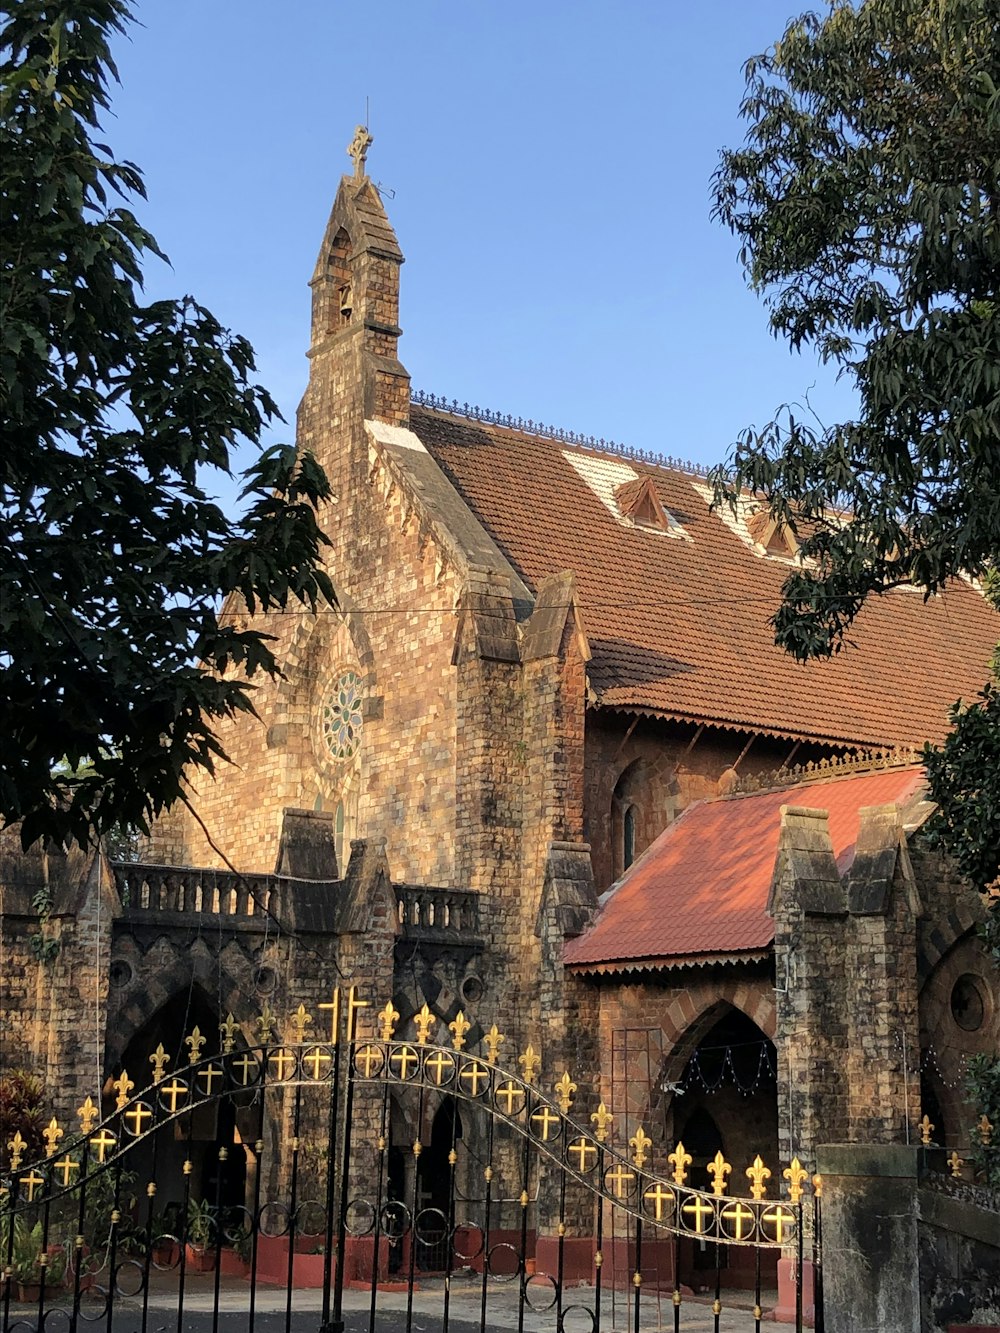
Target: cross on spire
{"type": "Point", "coordinates": [357, 150]}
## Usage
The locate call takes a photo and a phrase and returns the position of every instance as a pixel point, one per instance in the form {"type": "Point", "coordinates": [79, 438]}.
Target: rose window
{"type": "Point", "coordinates": [341, 720]}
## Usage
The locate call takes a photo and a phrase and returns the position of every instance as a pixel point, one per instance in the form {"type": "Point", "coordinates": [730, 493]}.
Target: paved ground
{"type": "Point", "coordinates": [391, 1317]}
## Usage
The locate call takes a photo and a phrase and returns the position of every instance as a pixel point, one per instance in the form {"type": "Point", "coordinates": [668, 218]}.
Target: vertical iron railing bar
{"type": "Point", "coordinates": [799, 1239]}
{"type": "Point", "coordinates": [258, 1177]}
{"type": "Point", "coordinates": [293, 1197]}
{"type": "Point", "coordinates": [383, 1139]}
{"type": "Point", "coordinates": [112, 1252]}
{"type": "Point", "coordinates": [221, 1157]}
{"type": "Point", "coordinates": [43, 1260]}
{"type": "Point", "coordinates": [524, 1202]}
{"type": "Point", "coordinates": [417, 1147]}
{"type": "Point", "coordinates": [677, 1298]}
{"type": "Point", "coordinates": [561, 1249]}
{"type": "Point", "coordinates": [78, 1238]}
{"type": "Point", "coordinates": [819, 1321]}
{"type": "Point", "coordinates": [185, 1225]}
{"type": "Point", "coordinates": [331, 1161]}
{"type": "Point", "coordinates": [10, 1208]}
{"type": "Point", "coordinates": [637, 1279]}
{"type": "Point", "coordinates": [337, 1321]}
{"type": "Point", "coordinates": [717, 1303]}
{"type": "Point", "coordinates": [487, 1211]}
{"type": "Point", "coordinates": [599, 1252]}
{"type": "Point", "coordinates": [756, 1289]}
{"type": "Point", "coordinates": [449, 1235]}
{"type": "Point", "coordinates": [148, 1260]}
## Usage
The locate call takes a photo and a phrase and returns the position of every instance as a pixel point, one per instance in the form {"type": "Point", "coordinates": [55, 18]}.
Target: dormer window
{"type": "Point", "coordinates": [771, 535]}
{"type": "Point", "coordinates": [639, 502]}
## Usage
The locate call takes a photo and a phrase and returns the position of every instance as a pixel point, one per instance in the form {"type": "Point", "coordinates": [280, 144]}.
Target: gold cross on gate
{"type": "Point", "coordinates": [619, 1177]}
{"type": "Point", "coordinates": [475, 1073]}
{"type": "Point", "coordinates": [439, 1062]}
{"type": "Point", "coordinates": [739, 1213]}
{"type": "Point", "coordinates": [353, 1005]}
{"type": "Point", "coordinates": [33, 1181]}
{"type": "Point", "coordinates": [402, 1059]}
{"type": "Point", "coordinates": [210, 1073]}
{"type": "Point", "coordinates": [701, 1208]}
{"type": "Point", "coordinates": [333, 1004]}
{"type": "Point", "coordinates": [245, 1063]}
{"type": "Point", "coordinates": [367, 1059]}
{"type": "Point", "coordinates": [511, 1093]}
{"type": "Point", "coordinates": [659, 1195]}
{"type": "Point", "coordinates": [315, 1061]}
{"type": "Point", "coordinates": [102, 1142]}
{"type": "Point", "coordinates": [545, 1117]}
{"type": "Point", "coordinates": [584, 1150]}
{"type": "Point", "coordinates": [778, 1216]}
{"type": "Point", "coordinates": [175, 1090]}
{"type": "Point", "coordinates": [138, 1114]}
{"type": "Point", "coordinates": [67, 1166]}
{"type": "Point", "coordinates": [283, 1063]}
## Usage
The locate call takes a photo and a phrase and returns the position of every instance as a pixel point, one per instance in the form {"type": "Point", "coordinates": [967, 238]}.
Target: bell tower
{"type": "Point", "coordinates": [355, 299]}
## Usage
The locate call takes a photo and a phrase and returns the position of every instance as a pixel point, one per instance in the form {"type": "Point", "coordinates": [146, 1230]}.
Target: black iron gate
{"type": "Point", "coordinates": [516, 1196]}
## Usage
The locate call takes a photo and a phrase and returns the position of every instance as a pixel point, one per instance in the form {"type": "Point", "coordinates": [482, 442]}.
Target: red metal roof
{"type": "Point", "coordinates": [680, 625]}
{"type": "Point", "coordinates": [701, 888]}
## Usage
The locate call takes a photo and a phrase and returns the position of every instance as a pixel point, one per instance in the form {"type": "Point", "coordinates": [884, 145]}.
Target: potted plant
{"type": "Point", "coordinates": [234, 1260]}
{"type": "Point", "coordinates": [25, 1266]}
{"type": "Point", "coordinates": [200, 1250]}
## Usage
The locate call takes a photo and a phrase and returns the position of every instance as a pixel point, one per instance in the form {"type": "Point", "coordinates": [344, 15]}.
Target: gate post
{"type": "Point", "coordinates": [870, 1255]}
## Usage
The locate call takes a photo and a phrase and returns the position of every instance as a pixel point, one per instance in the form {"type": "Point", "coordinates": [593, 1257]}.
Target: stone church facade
{"type": "Point", "coordinates": [545, 651]}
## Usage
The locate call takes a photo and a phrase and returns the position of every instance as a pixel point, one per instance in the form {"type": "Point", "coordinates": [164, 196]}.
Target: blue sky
{"type": "Point", "coordinates": [550, 163]}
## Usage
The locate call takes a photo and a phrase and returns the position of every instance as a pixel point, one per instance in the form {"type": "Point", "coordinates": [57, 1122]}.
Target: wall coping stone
{"type": "Point", "coordinates": [896, 1160]}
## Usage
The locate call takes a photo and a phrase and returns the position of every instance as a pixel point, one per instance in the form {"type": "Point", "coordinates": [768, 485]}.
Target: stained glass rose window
{"type": "Point", "coordinates": [341, 719]}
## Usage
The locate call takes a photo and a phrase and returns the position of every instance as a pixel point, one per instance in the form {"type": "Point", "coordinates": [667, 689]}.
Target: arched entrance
{"type": "Point", "coordinates": [433, 1188]}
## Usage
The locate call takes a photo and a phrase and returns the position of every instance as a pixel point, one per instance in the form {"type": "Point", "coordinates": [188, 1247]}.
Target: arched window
{"type": "Point", "coordinates": [628, 837]}
{"type": "Point", "coordinates": [339, 268]}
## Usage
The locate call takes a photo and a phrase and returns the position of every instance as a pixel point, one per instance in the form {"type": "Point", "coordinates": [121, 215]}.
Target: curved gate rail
{"type": "Point", "coordinates": [70, 1222]}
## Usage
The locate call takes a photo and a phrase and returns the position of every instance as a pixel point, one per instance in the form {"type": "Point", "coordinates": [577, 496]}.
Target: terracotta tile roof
{"type": "Point", "coordinates": [678, 620]}
{"type": "Point", "coordinates": [700, 890]}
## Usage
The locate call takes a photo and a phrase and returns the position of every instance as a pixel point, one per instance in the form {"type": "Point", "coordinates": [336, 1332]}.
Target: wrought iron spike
{"type": "Point", "coordinates": [194, 1041]}
{"type": "Point", "coordinates": [122, 1085]}
{"type": "Point", "coordinates": [89, 1115]}
{"type": "Point", "coordinates": [796, 1175]}
{"type": "Point", "coordinates": [564, 1089]}
{"type": "Point", "coordinates": [640, 1142]}
{"type": "Point", "coordinates": [458, 1028]}
{"type": "Point", "coordinates": [718, 1169]}
{"type": "Point", "coordinates": [680, 1160]}
{"type": "Point", "coordinates": [424, 1021]}
{"type": "Point", "coordinates": [757, 1174]}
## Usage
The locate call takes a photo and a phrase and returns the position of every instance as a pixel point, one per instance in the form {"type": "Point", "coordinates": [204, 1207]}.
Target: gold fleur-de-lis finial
{"type": "Point", "coordinates": [300, 1021]}
{"type": "Point", "coordinates": [530, 1062]}
{"type": "Point", "coordinates": [89, 1115]}
{"type": "Point", "coordinates": [985, 1129]}
{"type": "Point", "coordinates": [603, 1119]}
{"type": "Point", "coordinates": [229, 1030]}
{"type": "Point", "coordinates": [757, 1174]}
{"type": "Point", "coordinates": [796, 1175]}
{"type": "Point", "coordinates": [195, 1043]}
{"type": "Point", "coordinates": [159, 1060]}
{"type": "Point", "coordinates": [494, 1039]}
{"type": "Point", "coordinates": [17, 1146]}
{"type": "Point", "coordinates": [122, 1085]}
{"type": "Point", "coordinates": [926, 1130]}
{"type": "Point", "coordinates": [817, 1184]}
{"type": "Point", "coordinates": [424, 1020]}
{"type": "Point", "coordinates": [51, 1134]}
{"type": "Point", "coordinates": [956, 1163]}
{"type": "Point", "coordinates": [564, 1089]}
{"type": "Point", "coordinates": [458, 1028]}
{"type": "Point", "coordinates": [265, 1024]}
{"type": "Point", "coordinates": [718, 1169]}
{"type": "Point", "coordinates": [680, 1160]}
{"type": "Point", "coordinates": [640, 1142]}
{"type": "Point", "coordinates": [387, 1019]}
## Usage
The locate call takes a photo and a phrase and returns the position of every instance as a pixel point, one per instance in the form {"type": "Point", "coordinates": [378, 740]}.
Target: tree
{"type": "Point", "coordinates": [867, 203]}
{"type": "Point", "coordinates": [117, 414]}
